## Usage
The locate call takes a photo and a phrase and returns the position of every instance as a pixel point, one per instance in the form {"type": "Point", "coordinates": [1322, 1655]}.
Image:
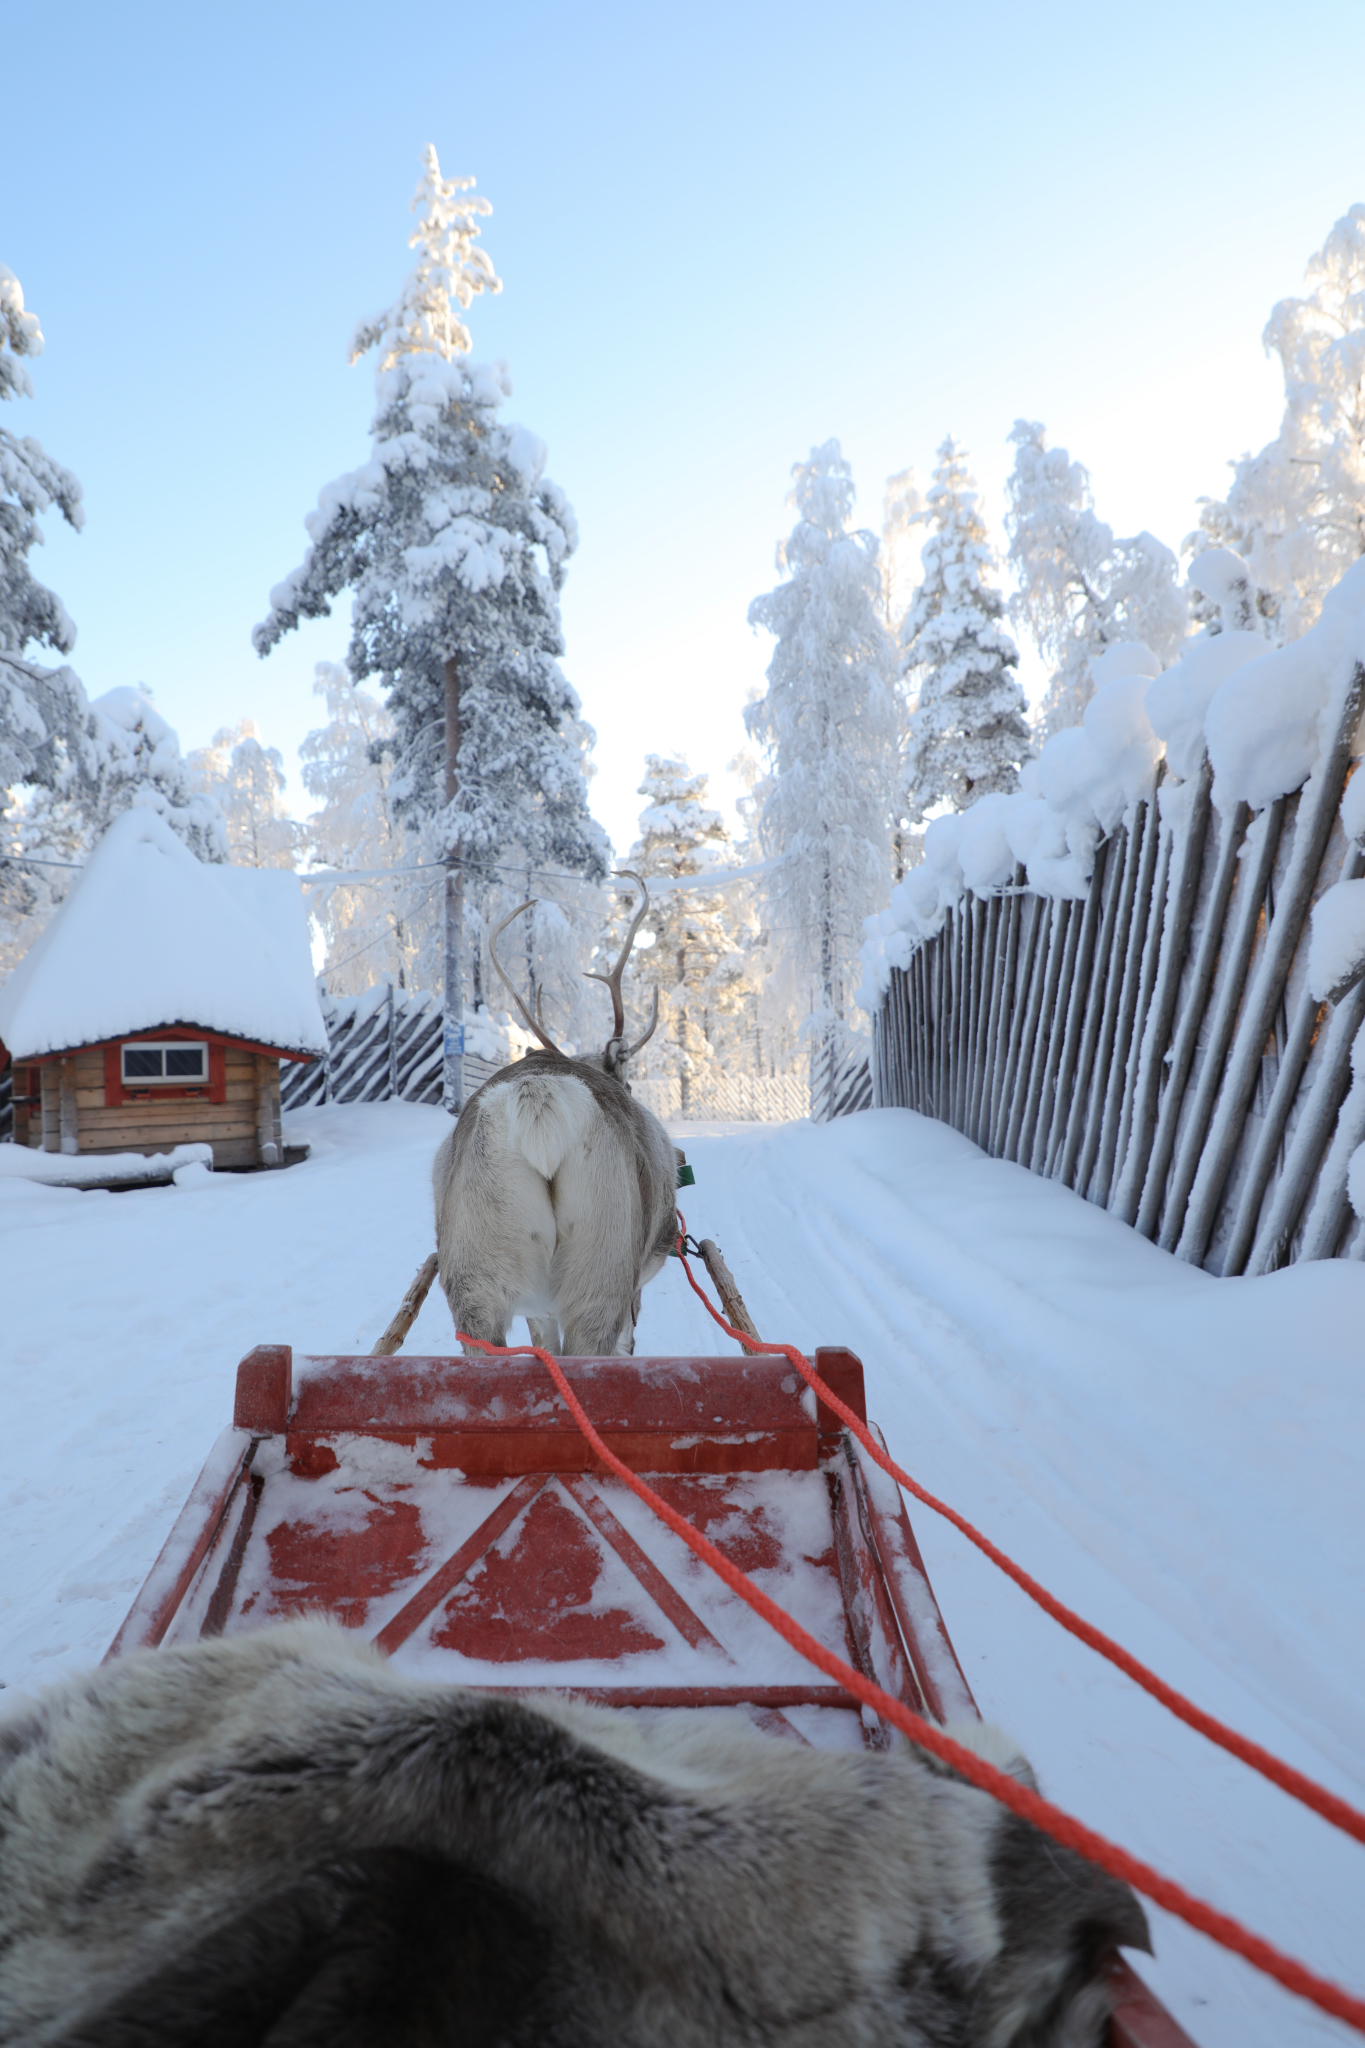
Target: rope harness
{"type": "Point", "coordinates": [1030, 1806]}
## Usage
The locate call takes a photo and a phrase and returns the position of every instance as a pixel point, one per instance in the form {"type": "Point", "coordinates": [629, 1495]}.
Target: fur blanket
{"type": "Point", "coordinates": [280, 1839]}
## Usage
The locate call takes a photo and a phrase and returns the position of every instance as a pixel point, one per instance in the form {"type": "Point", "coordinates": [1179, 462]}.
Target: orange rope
{"type": "Point", "coordinates": [1029, 1805]}
{"type": "Point", "coordinates": [1337, 1811]}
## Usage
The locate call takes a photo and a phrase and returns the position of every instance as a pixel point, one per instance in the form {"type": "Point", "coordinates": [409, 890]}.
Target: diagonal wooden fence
{"type": "Point", "coordinates": [1154, 1044]}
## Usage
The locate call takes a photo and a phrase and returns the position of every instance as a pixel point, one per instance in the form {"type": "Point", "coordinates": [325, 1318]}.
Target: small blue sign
{"type": "Point", "coordinates": [454, 1041]}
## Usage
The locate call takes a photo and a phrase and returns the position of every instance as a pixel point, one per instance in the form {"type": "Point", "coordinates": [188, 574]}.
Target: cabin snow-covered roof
{"type": "Point", "coordinates": [150, 936]}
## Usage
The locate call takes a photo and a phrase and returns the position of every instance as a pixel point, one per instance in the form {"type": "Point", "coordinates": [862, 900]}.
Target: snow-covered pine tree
{"type": "Point", "coordinates": [248, 781]}
{"type": "Point", "coordinates": [454, 544]}
{"type": "Point", "coordinates": [121, 754]}
{"type": "Point", "coordinates": [41, 709]}
{"type": "Point", "coordinates": [1080, 589]}
{"type": "Point", "coordinates": [968, 731]}
{"type": "Point", "coordinates": [829, 725]}
{"type": "Point", "coordinates": [693, 958]}
{"type": "Point", "coordinates": [30, 484]}
{"type": "Point", "coordinates": [1297, 509]}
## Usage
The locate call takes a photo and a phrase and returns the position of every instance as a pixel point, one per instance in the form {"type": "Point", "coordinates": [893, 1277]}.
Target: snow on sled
{"type": "Point", "coordinates": [451, 1510]}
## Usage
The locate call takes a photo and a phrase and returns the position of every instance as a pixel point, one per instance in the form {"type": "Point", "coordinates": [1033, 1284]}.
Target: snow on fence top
{"type": "Point", "coordinates": [1266, 718]}
{"type": "Point", "coordinates": [150, 936]}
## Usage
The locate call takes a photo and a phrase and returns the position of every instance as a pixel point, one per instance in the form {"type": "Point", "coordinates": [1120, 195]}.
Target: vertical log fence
{"type": "Point", "coordinates": [1154, 1045]}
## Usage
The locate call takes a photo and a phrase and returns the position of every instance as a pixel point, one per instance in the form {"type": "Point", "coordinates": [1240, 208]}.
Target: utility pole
{"type": "Point", "coordinates": [452, 1088]}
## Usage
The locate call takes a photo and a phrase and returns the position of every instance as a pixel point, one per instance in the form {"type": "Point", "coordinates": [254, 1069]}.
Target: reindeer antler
{"type": "Point", "coordinates": [493, 937]}
{"type": "Point", "coordinates": [613, 980]}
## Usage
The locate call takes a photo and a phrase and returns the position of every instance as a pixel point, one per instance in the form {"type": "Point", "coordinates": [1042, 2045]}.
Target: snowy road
{"type": "Point", "coordinates": [1175, 1456]}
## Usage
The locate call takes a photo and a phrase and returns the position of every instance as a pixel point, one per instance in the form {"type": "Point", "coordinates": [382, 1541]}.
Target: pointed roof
{"type": "Point", "coordinates": [150, 936]}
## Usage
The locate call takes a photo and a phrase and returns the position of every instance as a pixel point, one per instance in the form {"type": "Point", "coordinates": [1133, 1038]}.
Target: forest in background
{"type": "Point", "coordinates": [892, 693]}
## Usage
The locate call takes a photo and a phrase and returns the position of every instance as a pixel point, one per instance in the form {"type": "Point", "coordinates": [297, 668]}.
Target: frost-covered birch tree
{"type": "Point", "coordinates": [1296, 510]}
{"type": "Point", "coordinates": [968, 730]}
{"type": "Point", "coordinates": [248, 781]}
{"type": "Point", "coordinates": [454, 543]}
{"type": "Point", "coordinates": [828, 725]}
{"type": "Point", "coordinates": [374, 928]}
{"type": "Point", "coordinates": [1078, 588]}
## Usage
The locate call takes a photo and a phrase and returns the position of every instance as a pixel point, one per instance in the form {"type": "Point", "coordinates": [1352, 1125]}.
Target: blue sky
{"type": "Point", "coordinates": [725, 234]}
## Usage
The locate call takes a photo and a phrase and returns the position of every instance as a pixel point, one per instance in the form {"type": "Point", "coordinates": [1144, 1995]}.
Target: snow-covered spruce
{"type": "Point", "coordinates": [694, 960]}
{"type": "Point", "coordinates": [1079, 589]}
{"type": "Point", "coordinates": [1296, 510]}
{"type": "Point", "coordinates": [30, 484]}
{"type": "Point", "coordinates": [40, 708]}
{"type": "Point", "coordinates": [968, 731]}
{"type": "Point", "coordinates": [454, 543]}
{"type": "Point", "coordinates": [829, 724]}
{"type": "Point", "coordinates": [1266, 717]}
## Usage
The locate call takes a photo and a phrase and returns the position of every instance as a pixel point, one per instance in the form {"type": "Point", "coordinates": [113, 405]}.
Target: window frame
{"type": "Point", "coordinates": [188, 1083]}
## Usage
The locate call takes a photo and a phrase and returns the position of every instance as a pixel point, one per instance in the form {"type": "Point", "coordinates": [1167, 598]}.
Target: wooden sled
{"type": "Point", "coordinates": [451, 1509]}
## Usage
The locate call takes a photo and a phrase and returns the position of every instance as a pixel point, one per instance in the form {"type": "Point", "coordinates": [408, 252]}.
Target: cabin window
{"type": "Point", "coordinates": [176, 1064]}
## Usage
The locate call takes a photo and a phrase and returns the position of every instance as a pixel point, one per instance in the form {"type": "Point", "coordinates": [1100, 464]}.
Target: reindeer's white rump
{"type": "Point", "coordinates": [554, 1195]}
{"type": "Point", "coordinates": [277, 1838]}
{"type": "Point", "coordinates": [554, 1200]}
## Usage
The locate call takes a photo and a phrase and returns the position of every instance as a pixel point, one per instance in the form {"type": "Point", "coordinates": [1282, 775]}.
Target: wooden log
{"type": "Point", "coordinates": [1261, 1165]}
{"type": "Point", "coordinates": [731, 1300]}
{"type": "Point", "coordinates": [964, 1012]}
{"type": "Point", "coordinates": [1078, 998]}
{"type": "Point", "coordinates": [1308, 1016]}
{"type": "Point", "coordinates": [1229, 991]}
{"type": "Point", "coordinates": [1094, 1014]}
{"type": "Point", "coordinates": [1044, 919]}
{"type": "Point", "coordinates": [1155, 905]}
{"type": "Point", "coordinates": [1116, 964]}
{"type": "Point", "coordinates": [918, 997]}
{"type": "Point", "coordinates": [917, 1027]}
{"type": "Point", "coordinates": [943, 970]}
{"type": "Point", "coordinates": [990, 926]}
{"type": "Point", "coordinates": [1030, 914]}
{"type": "Point", "coordinates": [407, 1311]}
{"type": "Point", "coordinates": [1056, 944]}
{"type": "Point", "coordinates": [1312, 1137]}
{"type": "Point", "coordinates": [1202, 976]}
{"type": "Point", "coordinates": [905, 1039]}
{"type": "Point", "coordinates": [69, 1119]}
{"type": "Point", "coordinates": [1147, 829]}
{"type": "Point", "coordinates": [1317, 814]}
{"type": "Point", "coordinates": [1056, 1038]}
{"type": "Point", "coordinates": [1174, 916]}
{"type": "Point", "coordinates": [992, 996]}
{"type": "Point", "coordinates": [268, 1147]}
{"type": "Point", "coordinates": [1013, 914]}
{"type": "Point", "coordinates": [952, 1011]}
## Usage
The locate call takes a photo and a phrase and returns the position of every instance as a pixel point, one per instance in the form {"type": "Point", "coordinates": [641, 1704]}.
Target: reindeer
{"type": "Point", "coordinates": [554, 1192]}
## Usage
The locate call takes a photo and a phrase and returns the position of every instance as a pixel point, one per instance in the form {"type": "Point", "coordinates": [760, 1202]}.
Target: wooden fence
{"type": "Point", "coordinates": [386, 1044]}
{"type": "Point", "coordinates": [729, 1098]}
{"type": "Point", "coordinates": [383, 1045]}
{"type": "Point", "coordinates": [1154, 1044]}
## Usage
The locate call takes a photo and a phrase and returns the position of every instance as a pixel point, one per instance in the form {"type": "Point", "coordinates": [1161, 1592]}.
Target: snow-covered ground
{"type": "Point", "coordinates": [1175, 1456]}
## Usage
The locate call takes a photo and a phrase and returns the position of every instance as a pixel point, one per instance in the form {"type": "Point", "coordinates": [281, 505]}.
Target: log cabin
{"type": "Point", "coordinates": [156, 1007]}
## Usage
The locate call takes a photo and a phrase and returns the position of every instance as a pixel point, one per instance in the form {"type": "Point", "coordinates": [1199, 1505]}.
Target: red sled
{"type": "Point", "coordinates": [452, 1509]}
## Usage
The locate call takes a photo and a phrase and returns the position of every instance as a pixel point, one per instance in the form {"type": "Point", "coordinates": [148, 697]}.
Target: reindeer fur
{"type": "Point", "coordinates": [279, 1839]}
{"type": "Point", "coordinates": [554, 1200]}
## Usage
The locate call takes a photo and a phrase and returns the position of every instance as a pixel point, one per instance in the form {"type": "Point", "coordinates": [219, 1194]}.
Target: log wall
{"type": "Point", "coordinates": [1154, 1044]}
{"type": "Point", "coordinates": [239, 1129]}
